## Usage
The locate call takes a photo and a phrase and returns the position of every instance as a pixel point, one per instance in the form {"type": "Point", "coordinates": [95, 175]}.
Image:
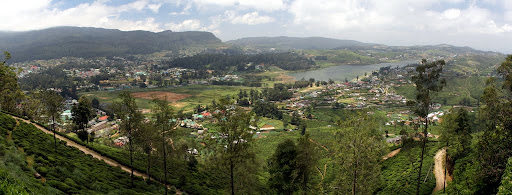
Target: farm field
{"type": "Point", "coordinates": [185, 98]}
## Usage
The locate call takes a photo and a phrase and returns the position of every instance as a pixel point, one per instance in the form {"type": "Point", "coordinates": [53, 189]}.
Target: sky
{"type": "Point", "coordinates": [481, 24]}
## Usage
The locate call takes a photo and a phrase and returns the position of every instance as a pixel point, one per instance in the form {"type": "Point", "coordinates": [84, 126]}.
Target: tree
{"type": "Point", "coordinates": [10, 91]}
{"type": "Point", "coordinates": [359, 149]}
{"type": "Point", "coordinates": [296, 120]}
{"type": "Point", "coordinates": [95, 103]}
{"type": "Point", "coordinates": [235, 149]}
{"type": "Point", "coordinates": [456, 135]}
{"type": "Point", "coordinates": [131, 118]}
{"type": "Point", "coordinates": [53, 104]}
{"type": "Point", "coordinates": [147, 136]}
{"type": "Point", "coordinates": [282, 166]}
{"type": "Point", "coordinates": [32, 106]}
{"type": "Point", "coordinates": [494, 146]}
{"type": "Point", "coordinates": [305, 163]}
{"type": "Point", "coordinates": [81, 115]}
{"type": "Point", "coordinates": [428, 81]}
{"type": "Point", "coordinates": [163, 115]}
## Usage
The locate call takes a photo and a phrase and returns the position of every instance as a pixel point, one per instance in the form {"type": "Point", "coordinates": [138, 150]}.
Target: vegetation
{"type": "Point", "coordinates": [93, 42]}
{"type": "Point", "coordinates": [427, 82]}
{"type": "Point", "coordinates": [358, 156]}
{"type": "Point", "coordinates": [222, 62]}
{"type": "Point", "coordinates": [67, 171]}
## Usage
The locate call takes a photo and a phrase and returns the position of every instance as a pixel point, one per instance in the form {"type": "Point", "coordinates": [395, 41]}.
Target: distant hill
{"type": "Point", "coordinates": [319, 43]}
{"type": "Point", "coordinates": [298, 42]}
{"type": "Point", "coordinates": [93, 42]}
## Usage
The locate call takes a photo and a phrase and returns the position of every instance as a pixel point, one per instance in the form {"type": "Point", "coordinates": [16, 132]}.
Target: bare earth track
{"type": "Point", "coordinates": [161, 95]}
{"type": "Point", "coordinates": [391, 154]}
{"type": "Point", "coordinates": [439, 170]}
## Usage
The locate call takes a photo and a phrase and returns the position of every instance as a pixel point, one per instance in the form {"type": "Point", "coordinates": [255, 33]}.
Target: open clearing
{"type": "Point", "coordinates": [161, 95]}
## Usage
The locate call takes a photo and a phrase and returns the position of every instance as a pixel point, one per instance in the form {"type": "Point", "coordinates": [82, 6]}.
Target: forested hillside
{"type": "Point", "coordinates": [298, 42]}
{"type": "Point", "coordinates": [285, 61]}
{"type": "Point", "coordinates": [94, 42]}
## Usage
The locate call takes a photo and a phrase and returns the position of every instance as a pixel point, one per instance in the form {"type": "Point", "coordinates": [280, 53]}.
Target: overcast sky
{"type": "Point", "coordinates": [481, 24]}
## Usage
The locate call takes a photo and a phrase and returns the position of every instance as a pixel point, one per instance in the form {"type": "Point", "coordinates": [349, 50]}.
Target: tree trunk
{"type": "Point", "coordinates": [422, 153]}
{"type": "Point", "coordinates": [231, 171]}
{"type": "Point", "coordinates": [149, 165]}
{"type": "Point", "coordinates": [131, 157]}
{"type": "Point", "coordinates": [305, 183]}
{"type": "Point", "coordinates": [165, 159]}
{"type": "Point", "coordinates": [54, 136]}
{"type": "Point", "coordinates": [87, 133]}
{"type": "Point", "coordinates": [354, 178]}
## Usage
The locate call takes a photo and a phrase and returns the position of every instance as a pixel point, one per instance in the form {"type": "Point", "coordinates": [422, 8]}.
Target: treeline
{"type": "Point", "coordinates": [223, 62]}
{"type": "Point", "coordinates": [478, 168]}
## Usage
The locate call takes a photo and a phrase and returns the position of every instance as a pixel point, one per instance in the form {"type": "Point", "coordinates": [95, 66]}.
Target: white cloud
{"type": "Point", "coordinates": [451, 14]}
{"type": "Point", "coordinates": [186, 25]}
{"type": "Point", "coordinates": [263, 5]}
{"type": "Point", "coordinates": [393, 15]}
{"type": "Point", "coordinates": [154, 7]}
{"type": "Point", "coordinates": [252, 18]}
{"type": "Point", "coordinates": [29, 15]}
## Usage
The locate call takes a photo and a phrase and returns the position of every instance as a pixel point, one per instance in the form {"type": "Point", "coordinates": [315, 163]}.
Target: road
{"type": "Point", "coordinates": [391, 154]}
{"type": "Point", "coordinates": [439, 169]}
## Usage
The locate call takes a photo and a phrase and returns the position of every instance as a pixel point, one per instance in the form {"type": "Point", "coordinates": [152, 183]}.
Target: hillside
{"type": "Point", "coordinates": [283, 42]}
{"type": "Point", "coordinates": [94, 42]}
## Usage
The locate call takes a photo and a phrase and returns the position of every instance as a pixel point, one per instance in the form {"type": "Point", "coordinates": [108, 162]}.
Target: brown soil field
{"type": "Point", "coordinates": [285, 78]}
{"type": "Point", "coordinates": [161, 95]}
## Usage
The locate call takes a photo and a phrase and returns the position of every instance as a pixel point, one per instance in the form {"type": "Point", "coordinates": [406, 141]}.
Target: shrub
{"type": "Point", "coordinates": [42, 170]}
{"type": "Point", "coordinates": [59, 185]}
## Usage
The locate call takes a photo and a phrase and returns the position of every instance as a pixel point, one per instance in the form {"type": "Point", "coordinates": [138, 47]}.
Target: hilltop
{"type": "Point", "coordinates": [95, 42]}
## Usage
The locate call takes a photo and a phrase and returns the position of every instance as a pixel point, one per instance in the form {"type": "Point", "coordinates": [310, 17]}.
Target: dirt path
{"type": "Point", "coordinates": [439, 169]}
{"type": "Point", "coordinates": [91, 152]}
{"type": "Point", "coordinates": [313, 141]}
{"type": "Point", "coordinates": [391, 154]}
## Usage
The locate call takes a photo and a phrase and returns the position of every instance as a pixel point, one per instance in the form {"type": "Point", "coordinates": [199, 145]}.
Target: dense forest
{"type": "Point", "coordinates": [223, 62]}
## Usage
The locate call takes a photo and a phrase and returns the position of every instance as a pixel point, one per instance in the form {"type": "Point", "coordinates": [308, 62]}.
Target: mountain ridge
{"type": "Point", "coordinates": [59, 42]}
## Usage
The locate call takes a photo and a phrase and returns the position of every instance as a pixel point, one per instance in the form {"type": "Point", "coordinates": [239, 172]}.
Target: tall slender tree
{"type": "Point", "coordinates": [360, 147]}
{"type": "Point", "coordinates": [428, 81]}
{"type": "Point", "coordinates": [235, 150]}
{"type": "Point", "coordinates": [81, 114]}
{"type": "Point", "coordinates": [131, 119]}
{"type": "Point", "coordinates": [306, 162]}
{"type": "Point", "coordinates": [163, 115]}
{"type": "Point", "coordinates": [53, 104]}
{"type": "Point", "coordinates": [146, 140]}
{"type": "Point", "coordinates": [10, 91]}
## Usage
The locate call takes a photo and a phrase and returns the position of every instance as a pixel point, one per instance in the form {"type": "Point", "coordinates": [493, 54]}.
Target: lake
{"type": "Point", "coordinates": [340, 72]}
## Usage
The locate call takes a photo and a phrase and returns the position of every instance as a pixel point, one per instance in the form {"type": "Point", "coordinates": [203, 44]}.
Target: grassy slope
{"type": "Point", "coordinates": [455, 90]}
{"type": "Point", "coordinates": [68, 170]}
{"type": "Point", "coordinates": [399, 175]}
